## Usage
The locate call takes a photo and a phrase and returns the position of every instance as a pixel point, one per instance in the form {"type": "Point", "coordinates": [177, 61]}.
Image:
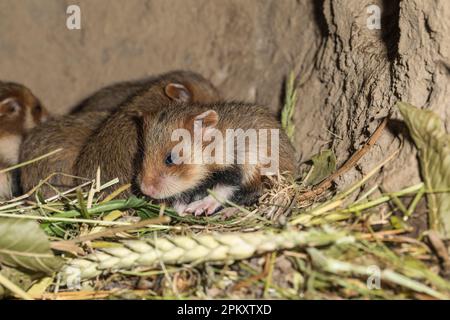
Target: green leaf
{"type": "Point", "coordinates": [398, 223]}
{"type": "Point", "coordinates": [324, 164]}
{"type": "Point", "coordinates": [82, 205]}
{"type": "Point", "coordinates": [433, 144]}
{"type": "Point", "coordinates": [23, 244]}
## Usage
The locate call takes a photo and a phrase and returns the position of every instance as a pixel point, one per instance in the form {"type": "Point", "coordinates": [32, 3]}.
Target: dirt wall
{"type": "Point", "coordinates": [349, 76]}
{"type": "Point", "coordinates": [245, 47]}
{"type": "Point", "coordinates": [361, 72]}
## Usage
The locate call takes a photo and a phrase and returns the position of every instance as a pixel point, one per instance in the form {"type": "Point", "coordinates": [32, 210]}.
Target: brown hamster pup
{"type": "Point", "coordinates": [103, 132]}
{"type": "Point", "coordinates": [115, 146]}
{"type": "Point", "coordinates": [226, 136]}
{"type": "Point", "coordinates": [197, 88]}
{"type": "Point", "coordinates": [20, 111]}
{"type": "Point", "coordinates": [68, 132]}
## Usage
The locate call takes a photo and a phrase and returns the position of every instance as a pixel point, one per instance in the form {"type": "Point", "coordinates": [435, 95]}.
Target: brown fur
{"type": "Point", "coordinates": [111, 97]}
{"type": "Point", "coordinates": [20, 111]}
{"type": "Point", "coordinates": [103, 131]}
{"type": "Point", "coordinates": [159, 125]}
{"type": "Point", "coordinates": [70, 133]}
{"type": "Point", "coordinates": [114, 147]}
{"type": "Point", "coordinates": [30, 113]}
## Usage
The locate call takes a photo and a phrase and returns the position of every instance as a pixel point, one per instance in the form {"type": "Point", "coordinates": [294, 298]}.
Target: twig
{"type": "Point", "coordinates": [23, 164]}
{"type": "Point", "coordinates": [87, 295]}
{"type": "Point", "coordinates": [257, 277]}
{"type": "Point", "coordinates": [268, 282]}
{"type": "Point", "coordinates": [381, 234]}
{"type": "Point", "coordinates": [116, 193]}
{"type": "Point", "coordinates": [440, 249]}
{"type": "Point", "coordinates": [306, 217]}
{"type": "Point", "coordinates": [350, 163]}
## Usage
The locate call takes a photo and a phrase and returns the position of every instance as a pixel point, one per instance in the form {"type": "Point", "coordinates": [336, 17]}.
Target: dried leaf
{"type": "Point", "coordinates": [23, 244]}
{"type": "Point", "coordinates": [433, 144]}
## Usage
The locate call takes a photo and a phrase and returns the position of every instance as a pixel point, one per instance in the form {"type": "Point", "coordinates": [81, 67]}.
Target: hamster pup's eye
{"type": "Point", "coordinates": [38, 108]}
{"type": "Point", "coordinates": [169, 160]}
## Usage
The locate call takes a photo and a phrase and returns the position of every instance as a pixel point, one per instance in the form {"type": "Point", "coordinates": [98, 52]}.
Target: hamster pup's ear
{"type": "Point", "coordinates": [207, 121]}
{"type": "Point", "coordinates": [9, 106]}
{"type": "Point", "coordinates": [178, 92]}
{"type": "Point", "coordinates": [208, 118]}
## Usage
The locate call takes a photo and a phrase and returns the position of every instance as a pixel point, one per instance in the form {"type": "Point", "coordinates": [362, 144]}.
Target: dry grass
{"type": "Point", "coordinates": [79, 222]}
{"type": "Point", "coordinates": [385, 252]}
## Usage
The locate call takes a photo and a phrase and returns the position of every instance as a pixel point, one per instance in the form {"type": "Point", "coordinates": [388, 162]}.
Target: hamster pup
{"type": "Point", "coordinates": [170, 174]}
{"type": "Point", "coordinates": [102, 132]}
{"type": "Point", "coordinates": [20, 111]}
